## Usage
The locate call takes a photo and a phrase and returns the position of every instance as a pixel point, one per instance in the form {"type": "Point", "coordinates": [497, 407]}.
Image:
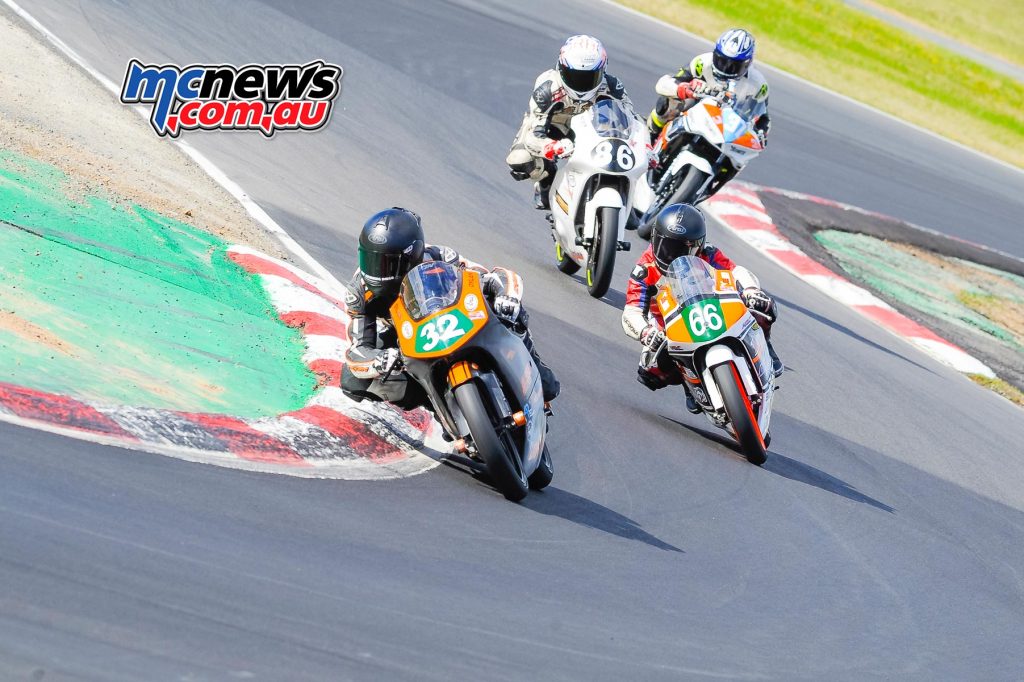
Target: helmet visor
{"type": "Point", "coordinates": [667, 250]}
{"type": "Point", "coordinates": [727, 67]}
{"type": "Point", "coordinates": [382, 268]}
{"type": "Point", "coordinates": [579, 80]}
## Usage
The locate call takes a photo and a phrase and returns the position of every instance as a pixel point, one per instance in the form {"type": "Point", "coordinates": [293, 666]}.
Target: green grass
{"type": "Point", "coordinates": [1008, 391]}
{"type": "Point", "coordinates": [993, 26]}
{"type": "Point", "coordinates": [855, 54]}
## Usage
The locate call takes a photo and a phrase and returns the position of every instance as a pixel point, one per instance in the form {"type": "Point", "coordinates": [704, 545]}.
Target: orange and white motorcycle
{"type": "Point", "coordinates": [692, 148]}
{"type": "Point", "coordinates": [481, 379]}
{"type": "Point", "coordinates": [720, 350]}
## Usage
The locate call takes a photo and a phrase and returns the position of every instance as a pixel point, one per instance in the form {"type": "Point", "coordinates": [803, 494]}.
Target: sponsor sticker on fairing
{"type": "Point", "coordinates": [264, 97]}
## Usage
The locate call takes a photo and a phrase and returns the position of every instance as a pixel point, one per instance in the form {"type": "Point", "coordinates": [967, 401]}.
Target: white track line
{"type": "Point", "coordinates": [211, 169]}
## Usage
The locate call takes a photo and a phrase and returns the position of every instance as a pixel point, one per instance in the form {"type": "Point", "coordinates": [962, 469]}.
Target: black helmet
{"type": "Point", "coordinates": [390, 244]}
{"type": "Point", "coordinates": [679, 230]}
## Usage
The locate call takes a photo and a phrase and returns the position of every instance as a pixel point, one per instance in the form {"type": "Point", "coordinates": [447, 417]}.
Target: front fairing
{"type": "Point", "coordinates": [496, 350]}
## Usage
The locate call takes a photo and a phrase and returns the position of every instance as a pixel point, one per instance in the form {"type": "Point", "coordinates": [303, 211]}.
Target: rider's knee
{"type": "Point", "coordinates": [522, 164]}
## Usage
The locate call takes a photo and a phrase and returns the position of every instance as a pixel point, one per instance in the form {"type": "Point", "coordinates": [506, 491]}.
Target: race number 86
{"type": "Point", "coordinates": [615, 155]}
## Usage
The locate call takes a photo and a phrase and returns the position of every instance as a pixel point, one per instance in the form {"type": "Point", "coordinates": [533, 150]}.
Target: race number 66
{"type": "Point", "coordinates": [703, 320]}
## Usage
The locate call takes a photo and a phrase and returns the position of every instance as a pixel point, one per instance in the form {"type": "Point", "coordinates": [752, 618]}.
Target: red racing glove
{"type": "Point", "coordinates": [558, 149]}
{"type": "Point", "coordinates": [690, 90]}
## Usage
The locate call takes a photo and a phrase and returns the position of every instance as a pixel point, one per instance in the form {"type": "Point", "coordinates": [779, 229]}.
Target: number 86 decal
{"type": "Point", "coordinates": [614, 155]}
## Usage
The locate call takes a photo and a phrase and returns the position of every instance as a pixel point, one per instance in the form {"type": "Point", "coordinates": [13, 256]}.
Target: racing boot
{"type": "Point", "coordinates": [691, 405]}
{"type": "Point", "coordinates": [777, 367]}
{"type": "Point", "coordinates": [541, 200]}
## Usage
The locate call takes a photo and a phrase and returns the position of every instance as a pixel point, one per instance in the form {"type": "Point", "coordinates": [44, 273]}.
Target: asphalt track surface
{"type": "Point", "coordinates": [883, 539]}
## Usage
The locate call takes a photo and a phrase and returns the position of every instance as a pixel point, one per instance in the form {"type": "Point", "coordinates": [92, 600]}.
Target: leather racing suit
{"type": "Point", "coordinates": [547, 121]}
{"type": "Point", "coordinates": [371, 330]}
{"type": "Point", "coordinates": [750, 86]}
{"type": "Point", "coordinates": [638, 311]}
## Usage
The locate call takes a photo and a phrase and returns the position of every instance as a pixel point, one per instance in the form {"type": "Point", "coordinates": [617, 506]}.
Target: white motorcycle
{"type": "Point", "coordinates": [692, 148]}
{"type": "Point", "coordinates": [591, 196]}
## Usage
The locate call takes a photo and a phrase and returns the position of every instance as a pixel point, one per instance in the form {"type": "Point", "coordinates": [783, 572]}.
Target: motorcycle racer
{"type": "Point", "coordinates": [680, 230]}
{"type": "Point", "coordinates": [391, 243]}
{"type": "Point", "coordinates": [578, 81]}
{"type": "Point", "coordinates": [710, 73]}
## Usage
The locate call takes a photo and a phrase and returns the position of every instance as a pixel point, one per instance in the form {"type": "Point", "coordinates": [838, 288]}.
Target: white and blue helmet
{"type": "Point", "coordinates": [581, 63]}
{"type": "Point", "coordinates": [733, 54]}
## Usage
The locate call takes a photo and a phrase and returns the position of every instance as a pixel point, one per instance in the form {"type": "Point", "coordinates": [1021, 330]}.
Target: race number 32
{"type": "Point", "coordinates": [439, 333]}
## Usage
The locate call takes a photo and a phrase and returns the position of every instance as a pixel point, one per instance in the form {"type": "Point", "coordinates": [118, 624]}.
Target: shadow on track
{"type": "Point", "coordinates": [845, 330]}
{"type": "Point", "coordinates": [565, 505]}
{"type": "Point", "coordinates": [780, 465]}
{"type": "Point", "coordinates": [614, 297]}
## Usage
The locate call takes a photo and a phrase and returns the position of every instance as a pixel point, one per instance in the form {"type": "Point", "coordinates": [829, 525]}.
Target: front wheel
{"type": "Point", "coordinates": [740, 413]}
{"type": "Point", "coordinates": [541, 477]}
{"type": "Point", "coordinates": [565, 264]}
{"type": "Point", "coordinates": [499, 452]}
{"type": "Point", "coordinates": [601, 261]}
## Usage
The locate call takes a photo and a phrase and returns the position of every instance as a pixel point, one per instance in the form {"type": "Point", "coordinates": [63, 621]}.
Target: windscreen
{"type": "Point", "coordinates": [690, 279]}
{"type": "Point", "coordinates": [611, 119]}
{"type": "Point", "coordinates": [748, 108]}
{"type": "Point", "coordinates": [430, 287]}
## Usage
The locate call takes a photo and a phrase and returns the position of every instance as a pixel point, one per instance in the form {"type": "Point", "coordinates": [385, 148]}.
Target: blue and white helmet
{"type": "Point", "coordinates": [581, 63]}
{"type": "Point", "coordinates": [733, 53]}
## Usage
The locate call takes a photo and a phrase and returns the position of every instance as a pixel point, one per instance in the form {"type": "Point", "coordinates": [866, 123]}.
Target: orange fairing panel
{"type": "Point", "coordinates": [444, 331]}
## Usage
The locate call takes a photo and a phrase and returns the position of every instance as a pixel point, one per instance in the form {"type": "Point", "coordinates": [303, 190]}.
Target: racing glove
{"type": "Point", "coordinates": [558, 149]}
{"type": "Point", "coordinates": [760, 302]}
{"type": "Point", "coordinates": [506, 308]}
{"type": "Point", "coordinates": [652, 336]}
{"type": "Point", "coordinates": [691, 89]}
{"type": "Point", "coordinates": [387, 361]}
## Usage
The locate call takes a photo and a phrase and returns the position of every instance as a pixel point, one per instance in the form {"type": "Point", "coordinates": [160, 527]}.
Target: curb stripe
{"type": "Point", "coordinates": [733, 208]}
{"type": "Point", "coordinates": [49, 407]}
{"type": "Point", "coordinates": [264, 266]}
{"type": "Point", "coordinates": [315, 323]}
{"type": "Point", "coordinates": [245, 441]}
{"type": "Point", "coordinates": [353, 433]}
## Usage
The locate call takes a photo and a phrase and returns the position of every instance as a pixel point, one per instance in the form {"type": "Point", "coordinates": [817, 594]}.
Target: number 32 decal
{"type": "Point", "coordinates": [441, 331]}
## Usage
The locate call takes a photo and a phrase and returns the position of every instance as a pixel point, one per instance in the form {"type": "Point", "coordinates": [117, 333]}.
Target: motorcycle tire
{"type": "Point", "coordinates": [601, 263]}
{"type": "Point", "coordinates": [499, 452]}
{"type": "Point", "coordinates": [685, 191]}
{"type": "Point", "coordinates": [565, 264]}
{"type": "Point", "coordinates": [541, 478]}
{"type": "Point", "coordinates": [740, 413]}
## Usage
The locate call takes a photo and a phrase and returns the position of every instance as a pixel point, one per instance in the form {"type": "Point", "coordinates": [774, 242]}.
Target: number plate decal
{"type": "Point", "coordinates": [705, 320]}
{"type": "Point", "coordinates": [442, 331]}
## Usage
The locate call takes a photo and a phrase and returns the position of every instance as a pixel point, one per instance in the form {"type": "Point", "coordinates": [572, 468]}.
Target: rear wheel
{"type": "Point", "coordinates": [541, 478]}
{"type": "Point", "coordinates": [499, 452]}
{"type": "Point", "coordinates": [684, 191]}
{"type": "Point", "coordinates": [601, 262]}
{"type": "Point", "coordinates": [565, 264]}
{"type": "Point", "coordinates": [741, 413]}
